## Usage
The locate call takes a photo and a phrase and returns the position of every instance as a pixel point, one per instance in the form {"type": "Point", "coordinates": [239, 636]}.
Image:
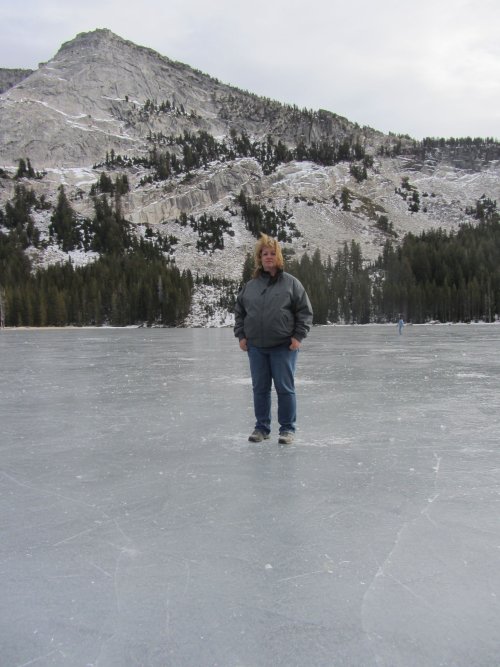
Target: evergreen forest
{"type": "Point", "coordinates": [132, 280]}
{"type": "Point", "coordinates": [173, 156]}
{"type": "Point", "coordinates": [436, 276]}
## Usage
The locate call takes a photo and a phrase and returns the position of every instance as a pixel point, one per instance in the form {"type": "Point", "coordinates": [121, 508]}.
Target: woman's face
{"type": "Point", "coordinates": [268, 259]}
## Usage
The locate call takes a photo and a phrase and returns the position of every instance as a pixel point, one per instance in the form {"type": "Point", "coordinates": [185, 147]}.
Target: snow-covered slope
{"type": "Point", "coordinates": [93, 97]}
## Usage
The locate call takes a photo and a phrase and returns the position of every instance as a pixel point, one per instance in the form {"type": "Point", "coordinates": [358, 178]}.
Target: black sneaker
{"type": "Point", "coordinates": [286, 438]}
{"type": "Point", "coordinates": [258, 436]}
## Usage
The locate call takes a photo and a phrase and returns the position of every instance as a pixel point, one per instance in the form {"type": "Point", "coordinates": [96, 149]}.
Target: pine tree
{"type": "Point", "coordinates": [64, 224]}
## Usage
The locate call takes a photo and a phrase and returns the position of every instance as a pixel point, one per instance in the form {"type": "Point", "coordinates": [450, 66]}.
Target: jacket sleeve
{"type": "Point", "coordinates": [239, 316]}
{"type": "Point", "coordinates": [303, 311]}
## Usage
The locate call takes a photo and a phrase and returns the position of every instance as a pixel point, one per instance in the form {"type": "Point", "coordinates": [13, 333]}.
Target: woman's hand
{"type": "Point", "coordinates": [243, 345]}
{"type": "Point", "coordinates": [295, 344]}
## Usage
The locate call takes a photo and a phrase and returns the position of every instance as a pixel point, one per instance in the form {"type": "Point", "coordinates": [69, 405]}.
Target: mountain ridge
{"type": "Point", "coordinates": [97, 81]}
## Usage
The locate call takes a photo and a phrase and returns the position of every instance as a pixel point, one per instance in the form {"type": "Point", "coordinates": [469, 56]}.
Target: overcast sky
{"type": "Point", "coordinates": [417, 67]}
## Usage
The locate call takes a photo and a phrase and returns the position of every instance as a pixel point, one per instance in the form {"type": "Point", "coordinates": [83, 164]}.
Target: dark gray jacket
{"type": "Point", "coordinates": [270, 311]}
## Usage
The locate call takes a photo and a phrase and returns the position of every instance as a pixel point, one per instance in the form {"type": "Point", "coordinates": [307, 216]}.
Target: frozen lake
{"type": "Point", "coordinates": [140, 528]}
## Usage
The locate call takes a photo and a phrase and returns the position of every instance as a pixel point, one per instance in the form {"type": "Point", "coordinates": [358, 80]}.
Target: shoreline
{"type": "Point", "coordinates": [72, 327]}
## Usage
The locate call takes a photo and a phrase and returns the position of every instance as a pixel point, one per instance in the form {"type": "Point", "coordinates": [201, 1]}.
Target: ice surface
{"type": "Point", "coordinates": [140, 528]}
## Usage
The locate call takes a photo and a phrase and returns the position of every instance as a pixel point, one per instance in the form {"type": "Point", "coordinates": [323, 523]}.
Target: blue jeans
{"type": "Point", "coordinates": [276, 364]}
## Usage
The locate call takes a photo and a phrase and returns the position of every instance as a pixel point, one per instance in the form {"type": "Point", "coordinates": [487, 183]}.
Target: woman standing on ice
{"type": "Point", "coordinates": [273, 315]}
{"type": "Point", "coordinates": [401, 324]}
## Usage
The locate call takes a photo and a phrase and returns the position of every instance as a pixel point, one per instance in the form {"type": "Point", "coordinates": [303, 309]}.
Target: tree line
{"type": "Point", "coordinates": [436, 276]}
{"type": "Point", "coordinates": [450, 277]}
{"type": "Point", "coordinates": [131, 282]}
{"type": "Point", "coordinates": [195, 150]}
{"type": "Point", "coordinates": [482, 148]}
{"type": "Point", "coordinates": [116, 290]}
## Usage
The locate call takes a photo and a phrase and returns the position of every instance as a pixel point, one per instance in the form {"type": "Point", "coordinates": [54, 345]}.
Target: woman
{"type": "Point", "coordinates": [273, 315]}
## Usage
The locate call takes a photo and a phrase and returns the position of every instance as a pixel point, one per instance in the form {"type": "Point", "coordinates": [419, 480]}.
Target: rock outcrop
{"type": "Point", "coordinates": [89, 99]}
{"type": "Point", "coordinates": [11, 77]}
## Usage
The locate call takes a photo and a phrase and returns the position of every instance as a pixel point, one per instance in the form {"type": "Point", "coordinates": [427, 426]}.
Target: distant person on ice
{"type": "Point", "coordinates": [401, 324]}
{"type": "Point", "coordinates": [273, 315]}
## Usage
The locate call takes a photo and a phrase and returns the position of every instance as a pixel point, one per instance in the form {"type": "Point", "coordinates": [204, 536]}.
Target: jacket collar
{"type": "Point", "coordinates": [271, 279]}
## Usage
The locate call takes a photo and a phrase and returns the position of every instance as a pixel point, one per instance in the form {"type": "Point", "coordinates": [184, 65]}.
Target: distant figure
{"type": "Point", "coordinates": [273, 315]}
{"type": "Point", "coordinates": [401, 324]}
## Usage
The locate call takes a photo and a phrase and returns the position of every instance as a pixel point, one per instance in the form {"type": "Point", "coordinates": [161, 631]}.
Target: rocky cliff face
{"type": "Point", "coordinates": [11, 77]}
{"type": "Point", "coordinates": [101, 94]}
{"type": "Point", "coordinates": [89, 99]}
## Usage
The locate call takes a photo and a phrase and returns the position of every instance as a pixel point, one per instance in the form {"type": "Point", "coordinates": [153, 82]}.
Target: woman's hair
{"type": "Point", "coordinates": [266, 241]}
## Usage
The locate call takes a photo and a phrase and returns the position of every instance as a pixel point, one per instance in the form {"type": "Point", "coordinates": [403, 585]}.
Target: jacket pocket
{"type": "Point", "coordinates": [287, 323]}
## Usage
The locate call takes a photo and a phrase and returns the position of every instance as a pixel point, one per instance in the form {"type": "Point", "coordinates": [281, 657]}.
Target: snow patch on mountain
{"type": "Point", "coordinates": [206, 311]}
